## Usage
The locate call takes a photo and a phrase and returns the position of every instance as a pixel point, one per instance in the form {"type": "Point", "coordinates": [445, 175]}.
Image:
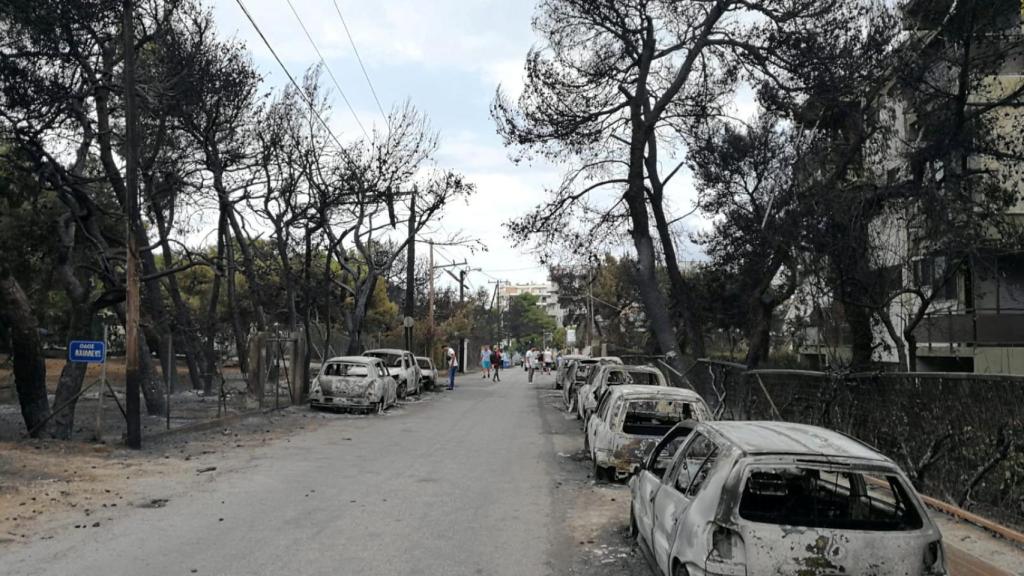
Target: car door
{"type": "Point", "coordinates": [682, 482]}
{"type": "Point", "coordinates": [648, 481]}
{"type": "Point", "coordinates": [598, 423]}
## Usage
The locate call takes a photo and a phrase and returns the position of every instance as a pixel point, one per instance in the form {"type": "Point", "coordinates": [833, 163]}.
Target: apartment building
{"type": "Point", "coordinates": [975, 318]}
{"type": "Point", "coordinates": [546, 293]}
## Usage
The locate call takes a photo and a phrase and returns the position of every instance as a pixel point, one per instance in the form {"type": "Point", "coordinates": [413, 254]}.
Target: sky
{"type": "Point", "coordinates": [447, 57]}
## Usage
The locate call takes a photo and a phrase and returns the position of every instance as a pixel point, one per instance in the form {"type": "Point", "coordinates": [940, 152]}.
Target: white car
{"type": "Point", "coordinates": [353, 383]}
{"type": "Point", "coordinates": [428, 373]}
{"type": "Point", "coordinates": [778, 498]}
{"type": "Point", "coordinates": [630, 420]}
{"type": "Point", "coordinates": [403, 368]}
{"type": "Point", "coordinates": [613, 375]}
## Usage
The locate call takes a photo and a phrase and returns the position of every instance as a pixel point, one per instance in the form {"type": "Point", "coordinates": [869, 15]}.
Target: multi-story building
{"type": "Point", "coordinates": [974, 320]}
{"type": "Point", "coordinates": [546, 293]}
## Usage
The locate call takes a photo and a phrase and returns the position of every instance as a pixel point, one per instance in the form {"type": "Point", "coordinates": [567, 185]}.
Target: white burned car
{"type": "Point", "coordinates": [779, 498]}
{"type": "Point", "coordinates": [629, 422]}
{"type": "Point", "coordinates": [576, 375]}
{"type": "Point", "coordinates": [428, 373]}
{"type": "Point", "coordinates": [402, 366]}
{"type": "Point", "coordinates": [609, 375]}
{"type": "Point", "coordinates": [353, 383]}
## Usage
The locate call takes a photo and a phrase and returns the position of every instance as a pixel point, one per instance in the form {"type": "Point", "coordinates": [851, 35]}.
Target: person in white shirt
{"type": "Point", "coordinates": [453, 366]}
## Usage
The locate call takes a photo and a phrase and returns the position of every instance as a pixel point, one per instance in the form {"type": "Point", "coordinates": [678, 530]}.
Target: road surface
{"type": "Point", "coordinates": [462, 483]}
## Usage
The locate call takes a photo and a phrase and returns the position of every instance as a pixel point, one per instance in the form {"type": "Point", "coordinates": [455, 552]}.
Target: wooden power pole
{"type": "Point", "coordinates": [430, 304]}
{"type": "Point", "coordinates": [410, 274]}
{"type": "Point", "coordinates": [131, 329]}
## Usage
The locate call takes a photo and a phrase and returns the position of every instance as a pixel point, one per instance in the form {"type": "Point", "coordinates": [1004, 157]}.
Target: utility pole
{"type": "Point", "coordinates": [430, 304]}
{"type": "Point", "coordinates": [590, 320]}
{"type": "Point", "coordinates": [410, 272]}
{"type": "Point", "coordinates": [462, 305]}
{"type": "Point", "coordinates": [131, 329]}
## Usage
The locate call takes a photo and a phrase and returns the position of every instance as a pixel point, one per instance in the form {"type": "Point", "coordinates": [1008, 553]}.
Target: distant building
{"type": "Point", "coordinates": [546, 293]}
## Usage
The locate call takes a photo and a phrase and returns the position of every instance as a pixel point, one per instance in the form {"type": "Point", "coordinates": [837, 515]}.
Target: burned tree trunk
{"type": "Point", "coordinates": [73, 373]}
{"type": "Point", "coordinates": [27, 351]}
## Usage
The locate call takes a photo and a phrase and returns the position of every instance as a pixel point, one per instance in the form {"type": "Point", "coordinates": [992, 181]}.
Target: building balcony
{"type": "Point", "coordinates": [981, 328]}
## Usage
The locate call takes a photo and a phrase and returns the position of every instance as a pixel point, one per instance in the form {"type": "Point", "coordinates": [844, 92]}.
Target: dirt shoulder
{"type": "Point", "coordinates": [48, 485]}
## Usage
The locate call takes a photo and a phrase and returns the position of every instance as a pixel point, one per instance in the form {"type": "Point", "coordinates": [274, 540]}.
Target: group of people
{"type": "Point", "coordinates": [491, 359]}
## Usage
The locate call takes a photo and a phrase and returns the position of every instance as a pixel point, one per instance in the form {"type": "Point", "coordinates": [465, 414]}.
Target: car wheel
{"type": "Point", "coordinates": [634, 530]}
{"type": "Point", "coordinates": [600, 473]}
{"type": "Point", "coordinates": [679, 570]}
{"type": "Point", "coordinates": [401, 391]}
{"type": "Point", "coordinates": [586, 443]}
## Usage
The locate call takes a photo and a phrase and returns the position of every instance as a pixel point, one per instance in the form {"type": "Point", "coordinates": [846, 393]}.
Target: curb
{"type": "Point", "coordinates": [208, 424]}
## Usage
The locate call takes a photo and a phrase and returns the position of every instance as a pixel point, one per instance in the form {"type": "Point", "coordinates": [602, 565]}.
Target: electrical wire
{"type": "Point", "coordinates": [329, 71]}
{"type": "Point", "coordinates": [312, 107]}
{"type": "Point", "coordinates": [360, 60]}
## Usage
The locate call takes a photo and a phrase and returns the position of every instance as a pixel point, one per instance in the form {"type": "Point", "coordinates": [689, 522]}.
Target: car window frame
{"type": "Point", "coordinates": [671, 477]}
{"type": "Point", "coordinates": [678, 430]}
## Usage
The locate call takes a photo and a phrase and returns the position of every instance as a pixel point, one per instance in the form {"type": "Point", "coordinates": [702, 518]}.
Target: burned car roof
{"type": "Point", "coordinates": [789, 438]}
{"type": "Point", "coordinates": [633, 391]}
{"type": "Point", "coordinates": [353, 359]}
{"type": "Point", "coordinates": [387, 351]}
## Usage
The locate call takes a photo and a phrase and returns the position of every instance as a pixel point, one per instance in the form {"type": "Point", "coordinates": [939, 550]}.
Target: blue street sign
{"type": "Point", "coordinates": [88, 351]}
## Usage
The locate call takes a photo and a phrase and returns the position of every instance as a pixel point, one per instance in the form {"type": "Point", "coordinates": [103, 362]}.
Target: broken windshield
{"type": "Point", "coordinates": [822, 498]}
{"type": "Point", "coordinates": [656, 417]}
{"type": "Point", "coordinates": [346, 370]}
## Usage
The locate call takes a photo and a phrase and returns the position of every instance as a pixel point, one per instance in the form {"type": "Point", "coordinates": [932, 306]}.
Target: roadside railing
{"type": "Point", "coordinates": [959, 436]}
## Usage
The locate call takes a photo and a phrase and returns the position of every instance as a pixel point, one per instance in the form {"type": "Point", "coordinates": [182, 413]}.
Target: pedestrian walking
{"type": "Point", "coordinates": [485, 361]}
{"type": "Point", "coordinates": [496, 361]}
{"type": "Point", "coordinates": [549, 359]}
{"type": "Point", "coordinates": [453, 365]}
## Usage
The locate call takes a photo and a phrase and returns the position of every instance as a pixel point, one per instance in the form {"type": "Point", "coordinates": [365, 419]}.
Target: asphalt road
{"type": "Point", "coordinates": [462, 483]}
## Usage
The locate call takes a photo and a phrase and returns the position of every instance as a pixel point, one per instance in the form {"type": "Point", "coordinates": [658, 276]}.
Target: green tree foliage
{"type": "Point", "coordinates": [526, 322]}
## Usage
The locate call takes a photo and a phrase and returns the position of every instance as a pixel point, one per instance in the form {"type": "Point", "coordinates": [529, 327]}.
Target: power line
{"type": "Point", "coordinates": [312, 108]}
{"type": "Point", "coordinates": [328, 68]}
{"type": "Point", "coordinates": [359, 59]}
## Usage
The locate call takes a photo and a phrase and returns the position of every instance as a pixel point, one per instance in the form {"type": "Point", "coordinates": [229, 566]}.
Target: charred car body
{"type": "Point", "coordinates": [576, 376]}
{"type": "Point", "coordinates": [778, 498]}
{"type": "Point", "coordinates": [428, 373]}
{"type": "Point", "coordinates": [564, 363]}
{"type": "Point", "coordinates": [610, 375]}
{"type": "Point", "coordinates": [353, 383]}
{"type": "Point", "coordinates": [402, 366]}
{"type": "Point", "coordinates": [630, 420]}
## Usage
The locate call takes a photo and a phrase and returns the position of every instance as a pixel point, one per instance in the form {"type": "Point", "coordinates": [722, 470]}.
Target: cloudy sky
{"type": "Point", "coordinates": [447, 57]}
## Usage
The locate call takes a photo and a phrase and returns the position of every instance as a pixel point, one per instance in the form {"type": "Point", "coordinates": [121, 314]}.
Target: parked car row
{"type": "Point", "coordinates": [372, 382]}
{"type": "Point", "coordinates": [739, 498]}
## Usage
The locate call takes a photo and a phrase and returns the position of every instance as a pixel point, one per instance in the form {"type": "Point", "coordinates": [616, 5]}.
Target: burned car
{"type": "Point", "coordinates": [609, 375]}
{"type": "Point", "coordinates": [564, 362]}
{"type": "Point", "coordinates": [778, 498]}
{"type": "Point", "coordinates": [353, 383]}
{"type": "Point", "coordinates": [428, 373]}
{"type": "Point", "coordinates": [629, 422]}
{"type": "Point", "coordinates": [576, 375]}
{"type": "Point", "coordinates": [402, 366]}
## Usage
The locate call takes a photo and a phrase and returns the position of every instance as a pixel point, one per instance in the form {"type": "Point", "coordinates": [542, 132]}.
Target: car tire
{"type": "Point", "coordinates": [600, 473]}
{"type": "Point", "coordinates": [401, 392]}
{"type": "Point", "coordinates": [679, 569]}
{"type": "Point", "coordinates": [586, 444]}
{"type": "Point", "coordinates": [634, 530]}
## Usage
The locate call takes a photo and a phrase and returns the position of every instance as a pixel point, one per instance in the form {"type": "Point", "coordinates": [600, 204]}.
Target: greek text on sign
{"type": "Point", "coordinates": [89, 351]}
